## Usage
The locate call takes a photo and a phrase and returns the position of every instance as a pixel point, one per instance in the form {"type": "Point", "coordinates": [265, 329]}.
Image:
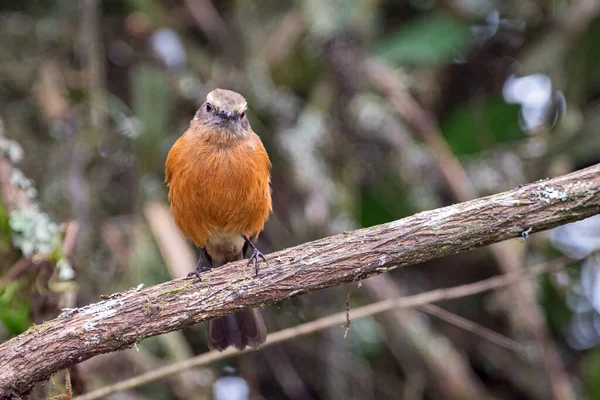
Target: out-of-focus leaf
{"type": "Point", "coordinates": [470, 130]}
{"type": "Point", "coordinates": [383, 203]}
{"type": "Point", "coordinates": [430, 40]}
{"type": "Point", "coordinates": [153, 10]}
{"type": "Point", "coordinates": [372, 212]}
{"type": "Point", "coordinates": [592, 374]}
{"type": "Point", "coordinates": [365, 337]}
{"type": "Point", "coordinates": [553, 303]}
{"type": "Point", "coordinates": [14, 311]}
{"type": "Point", "coordinates": [4, 229]}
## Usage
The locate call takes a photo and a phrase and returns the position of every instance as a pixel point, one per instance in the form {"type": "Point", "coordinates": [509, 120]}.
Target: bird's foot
{"type": "Point", "coordinates": [256, 255]}
{"type": "Point", "coordinates": [200, 267]}
{"type": "Point", "coordinates": [198, 271]}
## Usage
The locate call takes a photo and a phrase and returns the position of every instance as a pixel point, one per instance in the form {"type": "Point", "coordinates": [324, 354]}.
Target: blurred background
{"type": "Point", "coordinates": [371, 110]}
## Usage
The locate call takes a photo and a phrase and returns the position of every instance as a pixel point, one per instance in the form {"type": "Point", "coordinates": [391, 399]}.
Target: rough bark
{"type": "Point", "coordinates": [126, 318]}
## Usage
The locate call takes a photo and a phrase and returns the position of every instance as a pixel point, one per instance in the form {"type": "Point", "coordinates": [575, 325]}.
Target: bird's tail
{"type": "Point", "coordinates": [241, 329]}
{"type": "Point", "coordinates": [244, 328]}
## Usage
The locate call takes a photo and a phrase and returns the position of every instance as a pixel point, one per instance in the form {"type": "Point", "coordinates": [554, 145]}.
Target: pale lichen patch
{"type": "Point", "coordinates": [99, 308]}
{"type": "Point", "coordinates": [549, 194]}
{"type": "Point", "coordinates": [100, 316]}
{"type": "Point", "coordinates": [436, 217]}
{"type": "Point", "coordinates": [100, 312]}
{"type": "Point", "coordinates": [578, 187]}
{"type": "Point", "coordinates": [509, 202]}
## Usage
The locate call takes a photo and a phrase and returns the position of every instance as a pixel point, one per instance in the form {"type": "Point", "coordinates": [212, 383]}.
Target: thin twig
{"type": "Point", "coordinates": [474, 328]}
{"type": "Point", "coordinates": [285, 36]}
{"type": "Point", "coordinates": [18, 269]}
{"type": "Point", "coordinates": [70, 237]}
{"type": "Point", "coordinates": [330, 322]}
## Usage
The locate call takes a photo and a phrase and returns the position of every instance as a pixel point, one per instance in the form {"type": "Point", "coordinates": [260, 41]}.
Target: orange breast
{"type": "Point", "coordinates": [216, 190]}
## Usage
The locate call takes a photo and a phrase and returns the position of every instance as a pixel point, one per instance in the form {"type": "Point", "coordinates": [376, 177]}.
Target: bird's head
{"type": "Point", "coordinates": [225, 112]}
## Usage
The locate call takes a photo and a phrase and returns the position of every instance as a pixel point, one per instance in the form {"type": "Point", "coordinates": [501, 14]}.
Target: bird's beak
{"type": "Point", "coordinates": [227, 114]}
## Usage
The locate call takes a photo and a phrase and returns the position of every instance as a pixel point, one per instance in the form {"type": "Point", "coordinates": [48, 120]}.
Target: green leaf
{"type": "Point", "coordinates": [152, 10]}
{"type": "Point", "coordinates": [430, 40]}
{"type": "Point", "coordinates": [384, 201]}
{"type": "Point", "coordinates": [471, 129]}
{"type": "Point", "coordinates": [552, 300]}
{"type": "Point", "coordinates": [14, 309]}
{"type": "Point", "coordinates": [591, 370]}
{"type": "Point", "coordinates": [365, 337]}
{"type": "Point", "coordinates": [5, 242]}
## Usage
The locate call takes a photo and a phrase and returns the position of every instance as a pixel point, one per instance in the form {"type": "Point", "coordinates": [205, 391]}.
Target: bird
{"type": "Point", "coordinates": [218, 173]}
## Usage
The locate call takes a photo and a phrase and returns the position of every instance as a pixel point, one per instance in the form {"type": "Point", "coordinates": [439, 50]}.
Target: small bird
{"type": "Point", "coordinates": [218, 174]}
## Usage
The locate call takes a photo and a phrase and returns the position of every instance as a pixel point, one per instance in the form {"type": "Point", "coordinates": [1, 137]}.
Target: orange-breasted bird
{"type": "Point", "coordinates": [218, 173]}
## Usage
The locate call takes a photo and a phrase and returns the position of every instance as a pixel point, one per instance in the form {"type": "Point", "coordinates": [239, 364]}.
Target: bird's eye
{"type": "Point", "coordinates": [209, 107]}
{"type": "Point", "coordinates": [243, 114]}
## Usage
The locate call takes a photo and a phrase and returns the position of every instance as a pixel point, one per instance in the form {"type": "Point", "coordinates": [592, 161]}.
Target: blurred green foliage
{"type": "Point", "coordinates": [385, 202]}
{"type": "Point", "coordinates": [471, 129]}
{"type": "Point", "coordinates": [5, 242]}
{"type": "Point", "coordinates": [557, 313]}
{"type": "Point", "coordinates": [591, 368]}
{"type": "Point", "coordinates": [430, 40]}
{"type": "Point", "coordinates": [14, 307]}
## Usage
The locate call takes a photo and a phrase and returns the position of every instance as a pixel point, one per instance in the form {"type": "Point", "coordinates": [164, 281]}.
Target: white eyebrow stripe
{"type": "Point", "coordinates": [209, 97]}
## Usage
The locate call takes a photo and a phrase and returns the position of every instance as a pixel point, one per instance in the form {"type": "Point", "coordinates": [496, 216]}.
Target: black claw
{"type": "Point", "coordinates": [198, 271]}
{"type": "Point", "coordinates": [195, 273]}
{"type": "Point", "coordinates": [256, 255]}
{"type": "Point", "coordinates": [200, 266]}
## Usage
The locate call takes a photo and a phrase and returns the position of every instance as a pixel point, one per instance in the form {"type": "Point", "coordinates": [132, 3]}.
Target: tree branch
{"type": "Point", "coordinates": [126, 318]}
